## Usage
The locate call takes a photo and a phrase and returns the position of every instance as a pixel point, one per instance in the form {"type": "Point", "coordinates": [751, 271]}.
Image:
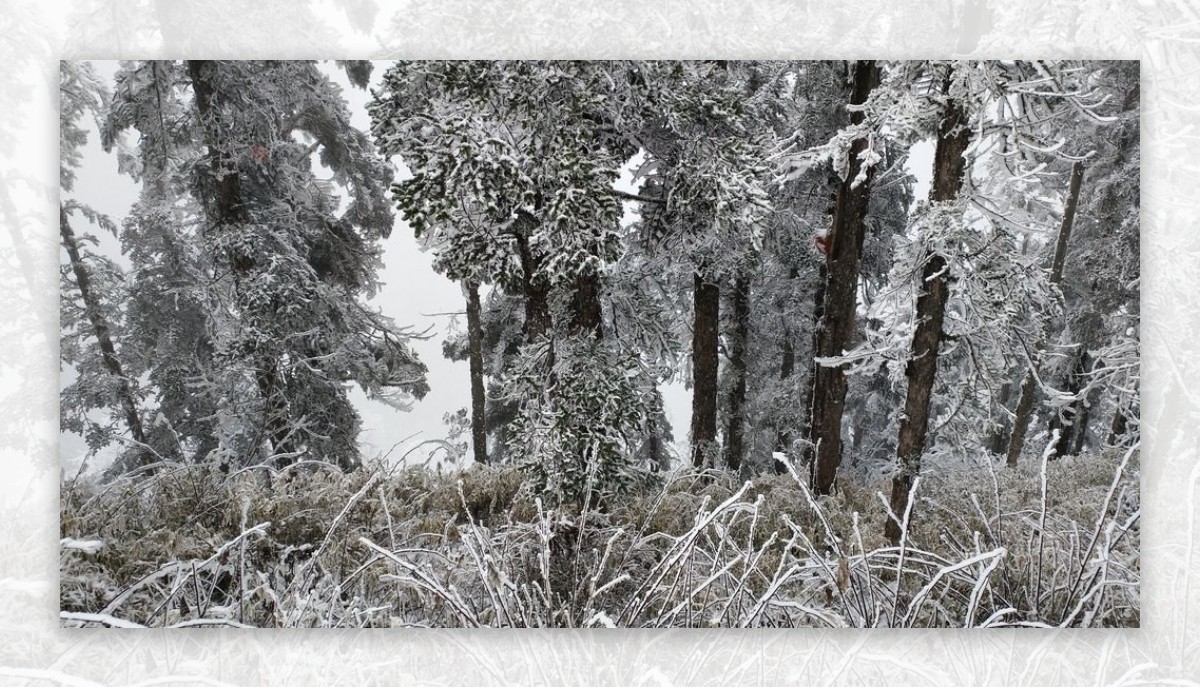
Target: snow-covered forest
{"type": "Point", "coordinates": [739, 343]}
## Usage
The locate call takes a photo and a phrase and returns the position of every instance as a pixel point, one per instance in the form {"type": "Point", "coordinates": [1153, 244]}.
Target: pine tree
{"type": "Point", "coordinates": [844, 245]}
{"type": "Point", "coordinates": [949, 166]}
{"type": "Point", "coordinates": [266, 323]}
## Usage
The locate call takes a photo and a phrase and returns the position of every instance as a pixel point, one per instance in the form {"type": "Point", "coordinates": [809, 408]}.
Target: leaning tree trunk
{"type": "Point", "coordinates": [108, 352]}
{"type": "Point", "coordinates": [706, 311]}
{"type": "Point", "coordinates": [738, 343]}
{"type": "Point", "coordinates": [834, 333]}
{"type": "Point", "coordinates": [1029, 387]}
{"type": "Point", "coordinates": [228, 210]}
{"type": "Point", "coordinates": [921, 372]}
{"type": "Point", "coordinates": [475, 358]}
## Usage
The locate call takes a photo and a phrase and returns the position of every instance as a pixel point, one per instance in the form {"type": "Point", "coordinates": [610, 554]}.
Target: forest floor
{"type": "Point", "coordinates": [1046, 544]}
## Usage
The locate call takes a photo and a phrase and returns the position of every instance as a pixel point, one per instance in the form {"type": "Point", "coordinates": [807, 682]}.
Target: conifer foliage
{"type": "Point", "coordinates": [884, 292]}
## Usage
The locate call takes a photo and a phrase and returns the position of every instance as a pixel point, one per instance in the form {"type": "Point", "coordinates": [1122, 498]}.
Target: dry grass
{"type": "Point", "coordinates": [1045, 545]}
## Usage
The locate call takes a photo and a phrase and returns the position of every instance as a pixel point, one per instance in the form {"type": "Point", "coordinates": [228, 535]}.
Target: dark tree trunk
{"type": "Point", "coordinates": [1120, 426]}
{"type": "Point", "coordinates": [1029, 388]}
{"type": "Point", "coordinates": [787, 367]}
{"type": "Point", "coordinates": [706, 311]}
{"type": "Point", "coordinates": [227, 209]}
{"type": "Point", "coordinates": [921, 372]}
{"type": "Point", "coordinates": [738, 343]}
{"type": "Point", "coordinates": [475, 358]}
{"type": "Point", "coordinates": [275, 413]}
{"type": "Point", "coordinates": [1079, 431]}
{"type": "Point", "coordinates": [587, 315]}
{"type": "Point", "coordinates": [807, 401]}
{"type": "Point", "coordinates": [228, 205]}
{"type": "Point", "coordinates": [1067, 422]}
{"type": "Point", "coordinates": [787, 363]}
{"type": "Point", "coordinates": [836, 329]}
{"type": "Point", "coordinates": [108, 352]}
{"type": "Point", "coordinates": [1021, 418]}
{"type": "Point", "coordinates": [998, 442]}
{"type": "Point", "coordinates": [537, 292]}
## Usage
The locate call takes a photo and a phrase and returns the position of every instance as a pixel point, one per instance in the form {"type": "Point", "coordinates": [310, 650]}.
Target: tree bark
{"type": "Point", "coordinates": [1120, 425]}
{"type": "Point", "coordinates": [808, 400]}
{"type": "Point", "coordinates": [738, 344]}
{"type": "Point", "coordinates": [587, 315]}
{"type": "Point", "coordinates": [1068, 421]}
{"type": "Point", "coordinates": [108, 352]}
{"type": "Point", "coordinates": [921, 372]}
{"type": "Point", "coordinates": [787, 367]}
{"type": "Point", "coordinates": [706, 311]}
{"type": "Point", "coordinates": [1029, 388]}
{"type": "Point", "coordinates": [836, 330]}
{"type": "Point", "coordinates": [998, 442]}
{"type": "Point", "coordinates": [475, 358]}
{"type": "Point", "coordinates": [537, 292]}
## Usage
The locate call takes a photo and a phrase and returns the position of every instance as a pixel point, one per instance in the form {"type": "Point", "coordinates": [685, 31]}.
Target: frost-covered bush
{"type": "Point", "coordinates": [585, 410]}
{"type": "Point", "coordinates": [1049, 544]}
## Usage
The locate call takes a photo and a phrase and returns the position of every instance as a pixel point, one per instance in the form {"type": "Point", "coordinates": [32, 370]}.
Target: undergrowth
{"type": "Point", "coordinates": [1046, 544]}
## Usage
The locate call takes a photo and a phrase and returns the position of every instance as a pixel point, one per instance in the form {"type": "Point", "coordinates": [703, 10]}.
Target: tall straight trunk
{"type": "Point", "coordinates": [108, 352]}
{"type": "Point", "coordinates": [921, 372]}
{"type": "Point", "coordinates": [787, 366]}
{"type": "Point", "coordinates": [475, 358]}
{"type": "Point", "coordinates": [738, 344]}
{"type": "Point", "coordinates": [807, 401]}
{"type": "Point", "coordinates": [835, 331]}
{"type": "Point", "coordinates": [1029, 387]}
{"type": "Point", "coordinates": [228, 210]}
{"type": "Point", "coordinates": [706, 312]}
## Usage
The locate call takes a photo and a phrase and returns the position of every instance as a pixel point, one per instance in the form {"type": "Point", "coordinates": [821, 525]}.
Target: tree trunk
{"type": "Point", "coordinates": [1120, 425]}
{"type": "Point", "coordinates": [1067, 422]}
{"type": "Point", "coordinates": [921, 372]}
{"type": "Point", "coordinates": [738, 342]}
{"type": "Point", "coordinates": [1021, 418]}
{"type": "Point", "coordinates": [998, 442]}
{"type": "Point", "coordinates": [787, 366]}
{"type": "Point", "coordinates": [227, 209]}
{"type": "Point", "coordinates": [836, 330]}
{"type": "Point", "coordinates": [706, 311]}
{"type": "Point", "coordinates": [475, 357]}
{"type": "Point", "coordinates": [810, 383]}
{"type": "Point", "coordinates": [537, 292]}
{"type": "Point", "coordinates": [1079, 434]}
{"type": "Point", "coordinates": [1029, 389]}
{"type": "Point", "coordinates": [108, 352]}
{"type": "Point", "coordinates": [587, 315]}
